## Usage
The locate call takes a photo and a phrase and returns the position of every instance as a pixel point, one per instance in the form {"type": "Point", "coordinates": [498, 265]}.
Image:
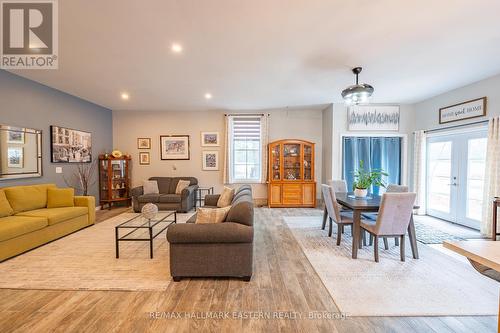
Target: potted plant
{"type": "Point", "coordinates": [363, 179]}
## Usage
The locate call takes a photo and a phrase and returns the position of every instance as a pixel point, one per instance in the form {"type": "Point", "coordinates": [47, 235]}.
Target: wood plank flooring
{"type": "Point", "coordinates": [283, 281]}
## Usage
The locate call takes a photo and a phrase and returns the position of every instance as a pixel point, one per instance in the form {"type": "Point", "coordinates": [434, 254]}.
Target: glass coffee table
{"type": "Point", "coordinates": [141, 229]}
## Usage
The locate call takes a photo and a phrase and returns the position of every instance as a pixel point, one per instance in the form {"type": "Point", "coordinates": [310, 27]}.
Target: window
{"type": "Point", "coordinates": [245, 149]}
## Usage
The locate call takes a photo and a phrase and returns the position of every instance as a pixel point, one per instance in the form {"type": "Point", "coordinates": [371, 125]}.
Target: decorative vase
{"type": "Point", "coordinates": [149, 211]}
{"type": "Point", "coordinates": [360, 192]}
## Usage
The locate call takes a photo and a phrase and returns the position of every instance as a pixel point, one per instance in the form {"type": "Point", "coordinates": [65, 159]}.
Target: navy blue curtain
{"type": "Point", "coordinates": [383, 153]}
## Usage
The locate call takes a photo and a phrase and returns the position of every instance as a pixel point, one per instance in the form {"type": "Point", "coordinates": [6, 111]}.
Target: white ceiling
{"type": "Point", "coordinates": [269, 53]}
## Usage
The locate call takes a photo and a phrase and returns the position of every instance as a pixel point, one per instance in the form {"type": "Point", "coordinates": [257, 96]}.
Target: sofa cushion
{"type": "Point", "coordinates": [145, 198]}
{"type": "Point", "coordinates": [163, 184]}
{"type": "Point", "coordinates": [181, 185]}
{"type": "Point", "coordinates": [211, 215]}
{"type": "Point", "coordinates": [175, 180]}
{"type": "Point", "coordinates": [5, 208]}
{"type": "Point", "coordinates": [150, 187]}
{"type": "Point", "coordinates": [170, 198]}
{"type": "Point", "coordinates": [226, 197]}
{"type": "Point", "coordinates": [57, 215]}
{"type": "Point", "coordinates": [25, 198]}
{"type": "Point", "coordinates": [14, 226]}
{"type": "Point", "coordinates": [60, 197]}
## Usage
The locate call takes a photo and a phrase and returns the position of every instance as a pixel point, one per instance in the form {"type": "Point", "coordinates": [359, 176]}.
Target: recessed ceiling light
{"type": "Point", "coordinates": [208, 96]}
{"type": "Point", "coordinates": [176, 48]}
{"type": "Point", "coordinates": [125, 96]}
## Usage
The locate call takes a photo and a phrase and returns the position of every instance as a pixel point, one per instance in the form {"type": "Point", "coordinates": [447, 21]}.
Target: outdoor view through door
{"type": "Point", "coordinates": [455, 176]}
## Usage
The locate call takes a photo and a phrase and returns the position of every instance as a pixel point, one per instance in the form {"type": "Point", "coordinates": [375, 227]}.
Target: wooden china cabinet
{"type": "Point", "coordinates": [114, 180]}
{"type": "Point", "coordinates": [291, 174]}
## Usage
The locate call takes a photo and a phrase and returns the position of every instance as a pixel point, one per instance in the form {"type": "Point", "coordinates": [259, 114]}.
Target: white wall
{"type": "Point", "coordinates": [130, 125]}
{"type": "Point", "coordinates": [427, 112]}
{"type": "Point", "coordinates": [327, 134]}
{"type": "Point", "coordinates": [340, 128]}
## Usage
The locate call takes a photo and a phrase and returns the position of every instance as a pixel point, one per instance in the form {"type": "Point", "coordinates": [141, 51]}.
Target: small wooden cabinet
{"type": "Point", "coordinates": [291, 174]}
{"type": "Point", "coordinates": [114, 180]}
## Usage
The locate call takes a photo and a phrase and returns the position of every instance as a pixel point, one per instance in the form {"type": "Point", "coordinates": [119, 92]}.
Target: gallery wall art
{"type": "Point", "coordinates": [373, 118]}
{"type": "Point", "coordinates": [70, 145]}
{"type": "Point", "coordinates": [174, 147]}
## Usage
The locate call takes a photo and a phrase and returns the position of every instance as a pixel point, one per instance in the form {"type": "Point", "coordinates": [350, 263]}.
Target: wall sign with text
{"type": "Point", "coordinates": [373, 118]}
{"type": "Point", "coordinates": [466, 110]}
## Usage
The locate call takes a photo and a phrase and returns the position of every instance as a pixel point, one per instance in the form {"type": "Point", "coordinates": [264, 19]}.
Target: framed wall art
{"type": "Point", "coordinates": [210, 160]}
{"type": "Point", "coordinates": [174, 147]}
{"type": "Point", "coordinates": [70, 145]}
{"type": "Point", "coordinates": [210, 139]}
{"type": "Point", "coordinates": [15, 157]}
{"type": "Point", "coordinates": [373, 118]}
{"type": "Point", "coordinates": [143, 143]}
{"type": "Point", "coordinates": [144, 158]}
{"type": "Point", "coordinates": [465, 110]}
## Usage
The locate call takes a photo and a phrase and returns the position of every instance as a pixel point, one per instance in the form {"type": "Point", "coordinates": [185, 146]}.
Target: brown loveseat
{"type": "Point", "coordinates": [215, 249]}
{"type": "Point", "coordinates": [167, 199]}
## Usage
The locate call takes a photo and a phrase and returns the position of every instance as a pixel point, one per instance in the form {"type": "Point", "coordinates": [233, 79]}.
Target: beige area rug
{"type": "Point", "coordinates": [434, 285]}
{"type": "Point", "coordinates": [85, 260]}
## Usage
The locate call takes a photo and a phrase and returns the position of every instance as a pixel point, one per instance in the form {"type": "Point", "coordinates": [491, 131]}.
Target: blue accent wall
{"type": "Point", "coordinates": [25, 103]}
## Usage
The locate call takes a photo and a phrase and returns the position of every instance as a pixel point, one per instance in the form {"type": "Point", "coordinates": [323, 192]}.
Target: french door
{"type": "Point", "coordinates": [455, 176]}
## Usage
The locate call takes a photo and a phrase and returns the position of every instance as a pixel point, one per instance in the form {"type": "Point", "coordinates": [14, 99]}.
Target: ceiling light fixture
{"type": "Point", "coordinates": [357, 93]}
{"type": "Point", "coordinates": [208, 96]}
{"type": "Point", "coordinates": [125, 96]}
{"type": "Point", "coordinates": [176, 48]}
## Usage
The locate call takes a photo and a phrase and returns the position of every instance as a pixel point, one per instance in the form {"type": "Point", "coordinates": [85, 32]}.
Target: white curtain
{"type": "Point", "coordinates": [264, 140]}
{"type": "Point", "coordinates": [419, 159]}
{"type": "Point", "coordinates": [227, 148]}
{"type": "Point", "coordinates": [492, 175]}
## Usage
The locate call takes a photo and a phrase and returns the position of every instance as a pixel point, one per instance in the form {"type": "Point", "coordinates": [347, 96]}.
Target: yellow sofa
{"type": "Point", "coordinates": [26, 222]}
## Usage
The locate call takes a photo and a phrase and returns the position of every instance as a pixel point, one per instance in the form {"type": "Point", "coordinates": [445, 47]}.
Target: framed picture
{"type": "Point", "coordinates": [143, 143]}
{"type": "Point", "coordinates": [466, 110]}
{"type": "Point", "coordinates": [70, 145]}
{"type": "Point", "coordinates": [144, 158]}
{"type": "Point", "coordinates": [15, 137]}
{"type": "Point", "coordinates": [373, 118]}
{"type": "Point", "coordinates": [210, 160]}
{"type": "Point", "coordinates": [210, 139]}
{"type": "Point", "coordinates": [174, 147]}
{"type": "Point", "coordinates": [15, 157]}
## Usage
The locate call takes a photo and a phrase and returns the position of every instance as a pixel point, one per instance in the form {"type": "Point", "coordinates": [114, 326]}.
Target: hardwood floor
{"type": "Point", "coordinates": [283, 281]}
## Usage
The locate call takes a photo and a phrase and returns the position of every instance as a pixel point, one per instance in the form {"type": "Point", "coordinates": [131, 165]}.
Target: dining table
{"type": "Point", "coordinates": [370, 204]}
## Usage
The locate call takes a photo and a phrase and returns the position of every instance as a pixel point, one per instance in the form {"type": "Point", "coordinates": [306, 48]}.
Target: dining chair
{"type": "Point", "coordinates": [392, 219]}
{"type": "Point", "coordinates": [391, 188]}
{"type": "Point", "coordinates": [333, 211]}
{"type": "Point", "coordinates": [337, 185]}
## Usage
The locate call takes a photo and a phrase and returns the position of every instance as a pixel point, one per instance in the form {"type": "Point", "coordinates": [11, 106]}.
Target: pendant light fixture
{"type": "Point", "coordinates": [357, 93]}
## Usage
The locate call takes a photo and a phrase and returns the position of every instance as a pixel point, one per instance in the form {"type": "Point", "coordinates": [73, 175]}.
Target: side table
{"type": "Point", "coordinates": [200, 195]}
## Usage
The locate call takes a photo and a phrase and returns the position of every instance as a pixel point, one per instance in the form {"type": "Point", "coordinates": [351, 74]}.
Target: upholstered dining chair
{"type": "Point", "coordinates": [339, 185]}
{"type": "Point", "coordinates": [391, 188]}
{"type": "Point", "coordinates": [392, 219]}
{"type": "Point", "coordinates": [333, 211]}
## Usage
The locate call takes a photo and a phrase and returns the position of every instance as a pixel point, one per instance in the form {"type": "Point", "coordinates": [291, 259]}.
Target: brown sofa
{"type": "Point", "coordinates": [215, 249]}
{"type": "Point", "coordinates": [167, 199]}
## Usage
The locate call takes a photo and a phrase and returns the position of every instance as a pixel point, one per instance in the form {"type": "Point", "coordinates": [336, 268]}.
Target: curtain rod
{"type": "Point", "coordinates": [456, 126]}
{"type": "Point", "coordinates": [246, 114]}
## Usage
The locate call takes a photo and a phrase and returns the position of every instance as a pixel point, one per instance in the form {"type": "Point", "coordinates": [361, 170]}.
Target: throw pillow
{"type": "Point", "coordinates": [150, 187]}
{"type": "Point", "coordinates": [226, 197]}
{"type": "Point", "coordinates": [182, 184]}
{"type": "Point", "coordinates": [60, 197]}
{"type": "Point", "coordinates": [5, 208]}
{"type": "Point", "coordinates": [212, 215]}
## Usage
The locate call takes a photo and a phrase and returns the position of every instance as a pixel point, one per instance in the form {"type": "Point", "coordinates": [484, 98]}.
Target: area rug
{"type": "Point", "coordinates": [429, 235]}
{"type": "Point", "coordinates": [434, 285]}
{"type": "Point", "coordinates": [85, 260]}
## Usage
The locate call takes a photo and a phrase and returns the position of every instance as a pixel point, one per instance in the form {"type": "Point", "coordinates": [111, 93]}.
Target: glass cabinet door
{"type": "Point", "coordinates": [307, 162]}
{"type": "Point", "coordinates": [119, 183]}
{"type": "Point", "coordinates": [276, 163]}
{"type": "Point", "coordinates": [104, 180]}
{"type": "Point", "coordinates": [291, 161]}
